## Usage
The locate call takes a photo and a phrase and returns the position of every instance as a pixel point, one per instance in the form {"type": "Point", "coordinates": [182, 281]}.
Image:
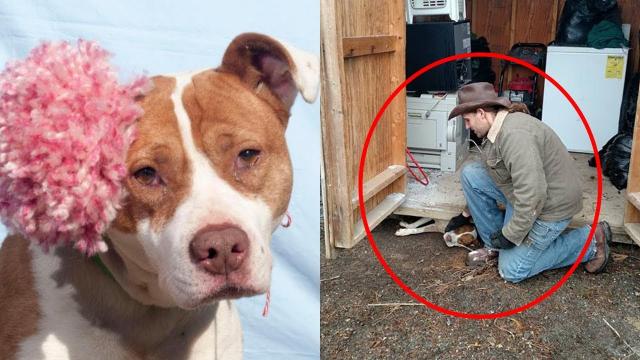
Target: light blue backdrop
{"type": "Point", "coordinates": [172, 36]}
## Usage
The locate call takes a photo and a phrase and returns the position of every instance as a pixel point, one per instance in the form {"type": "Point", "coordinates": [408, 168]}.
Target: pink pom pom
{"type": "Point", "coordinates": [65, 127]}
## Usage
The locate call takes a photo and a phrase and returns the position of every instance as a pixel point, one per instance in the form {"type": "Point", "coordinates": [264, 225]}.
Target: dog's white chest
{"type": "Point", "coordinates": [64, 333]}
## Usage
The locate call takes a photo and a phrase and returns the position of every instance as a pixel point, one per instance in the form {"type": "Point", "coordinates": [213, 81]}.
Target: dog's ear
{"type": "Point", "coordinates": [261, 61]}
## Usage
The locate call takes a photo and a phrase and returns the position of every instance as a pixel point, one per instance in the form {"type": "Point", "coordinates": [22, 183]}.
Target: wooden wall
{"type": "Point", "coordinates": [506, 22]}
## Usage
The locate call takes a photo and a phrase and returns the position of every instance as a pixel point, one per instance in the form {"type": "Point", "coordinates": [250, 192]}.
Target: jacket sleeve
{"type": "Point", "coordinates": [521, 155]}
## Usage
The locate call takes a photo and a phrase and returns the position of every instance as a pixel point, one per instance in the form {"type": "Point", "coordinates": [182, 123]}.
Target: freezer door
{"type": "Point", "coordinates": [595, 80]}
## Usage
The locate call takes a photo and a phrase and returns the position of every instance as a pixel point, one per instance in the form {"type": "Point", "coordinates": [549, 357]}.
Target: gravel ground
{"type": "Point", "coordinates": [591, 316]}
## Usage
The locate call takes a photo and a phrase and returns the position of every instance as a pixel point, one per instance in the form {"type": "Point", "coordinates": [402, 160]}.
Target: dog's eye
{"type": "Point", "coordinates": [147, 176]}
{"type": "Point", "coordinates": [247, 158]}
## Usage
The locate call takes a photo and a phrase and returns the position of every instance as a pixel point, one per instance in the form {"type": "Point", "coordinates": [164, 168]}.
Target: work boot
{"type": "Point", "coordinates": [481, 257]}
{"type": "Point", "coordinates": [599, 261]}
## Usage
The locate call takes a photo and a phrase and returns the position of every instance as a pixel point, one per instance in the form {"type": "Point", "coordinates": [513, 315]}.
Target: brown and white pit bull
{"type": "Point", "coordinates": [209, 181]}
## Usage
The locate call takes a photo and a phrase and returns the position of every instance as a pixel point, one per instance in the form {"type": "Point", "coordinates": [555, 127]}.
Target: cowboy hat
{"type": "Point", "coordinates": [477, 95]}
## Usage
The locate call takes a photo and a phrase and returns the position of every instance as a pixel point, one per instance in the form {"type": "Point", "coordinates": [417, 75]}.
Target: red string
{"type": "Point", "coordinates": [425, 180]}
{"type": "Point", "coordinates": [265, 310]}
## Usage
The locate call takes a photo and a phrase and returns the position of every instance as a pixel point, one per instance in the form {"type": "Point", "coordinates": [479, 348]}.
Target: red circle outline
{"type": "Point", "coordinates": [363, 216]}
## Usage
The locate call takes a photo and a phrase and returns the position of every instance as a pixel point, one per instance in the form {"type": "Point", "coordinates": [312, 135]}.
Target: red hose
{"type": "Point", "coordinates": [425, 180]}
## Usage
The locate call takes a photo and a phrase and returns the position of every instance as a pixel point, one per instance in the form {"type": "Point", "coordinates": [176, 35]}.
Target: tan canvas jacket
{"type": "Point", "coordinates": [534, 170]}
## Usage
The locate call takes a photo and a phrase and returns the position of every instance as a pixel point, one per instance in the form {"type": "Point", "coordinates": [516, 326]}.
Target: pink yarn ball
{"type": "Point", "coordinates": [65, 127]}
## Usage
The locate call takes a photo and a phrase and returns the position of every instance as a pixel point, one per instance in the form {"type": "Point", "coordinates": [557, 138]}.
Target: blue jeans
{"type": "Point", "coordinates": [546, 247]}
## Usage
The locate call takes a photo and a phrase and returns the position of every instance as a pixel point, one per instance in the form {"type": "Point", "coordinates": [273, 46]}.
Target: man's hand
{"type": "Point", "coordinates": [500, 242]}
{"type": "Point", "coordinates": [456, 222]}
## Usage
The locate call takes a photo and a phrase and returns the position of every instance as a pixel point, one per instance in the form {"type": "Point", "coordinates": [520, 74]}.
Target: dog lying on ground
{"type": "Point", "coordinates": [463, 236]}
{"type": "Point", "coordinates": [209, 180]}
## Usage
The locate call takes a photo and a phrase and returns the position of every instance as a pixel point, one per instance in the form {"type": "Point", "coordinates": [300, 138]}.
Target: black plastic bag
{"type": "Point", "coordinates": [579, 16]}
{"type": "Point", "coordinates": [481, 67]}
{"type": "Point", "coordinates": [615, 157]}
{"type": "Point", "coordinates": [619, 157]}
{"type": "Point", "coordinates": [600, 6]}
{"type": "Point", "coordinates": [602, 153]}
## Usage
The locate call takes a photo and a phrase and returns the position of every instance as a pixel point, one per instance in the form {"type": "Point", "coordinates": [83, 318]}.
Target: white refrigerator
{"type": "Point", "coordinates": [595, 80]}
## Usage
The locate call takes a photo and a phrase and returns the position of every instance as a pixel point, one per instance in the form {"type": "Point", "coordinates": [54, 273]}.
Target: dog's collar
{"type": "Point", "coordinates": [96, 260]}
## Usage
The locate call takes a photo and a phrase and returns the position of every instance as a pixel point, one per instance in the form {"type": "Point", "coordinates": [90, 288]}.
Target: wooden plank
{"type": "Point", "coordinates": [368, 45]}
{"type": "Point", "coordinates": [512, 28]}
{"type": "Point", "coordinates": [497, 32]}
{"type": "Point", "coordinates": [375, 217]}
{"type": "Point", "coordinates": [512, 35]}
{"type": "Point", "coordinates": [438, 212]}
{"type": "Point", "coordinates": [632, 213]}
{"type": "Point", "coordinates": [338, 221]}
{"type": "Point", "coordinates": [398, 109]}
{"type": "Point", "coordinates": [329, 247]}
{"type": "Point", "coordinates": [554, 19]}
{"type": "Point", "coordinates": [633, 230]}
{"type": "Point", "coordinates": [380, 181]}
{"type": "Point", "coordinates": [534, 21]}
{"type": "Point", "coordinates": [443, 197]}
{"type": "Point", "coordinates": [634, 198]}
{"type": "Point", "coordinates": [474, 12]}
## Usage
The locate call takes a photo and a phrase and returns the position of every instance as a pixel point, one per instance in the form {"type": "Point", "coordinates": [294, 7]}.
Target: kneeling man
{"type": "Point", "coordinates": [525, 167]}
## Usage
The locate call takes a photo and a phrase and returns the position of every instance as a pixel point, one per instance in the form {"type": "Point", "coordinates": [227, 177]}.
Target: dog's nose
{"type": "Point", "coordinates": [220, 250]}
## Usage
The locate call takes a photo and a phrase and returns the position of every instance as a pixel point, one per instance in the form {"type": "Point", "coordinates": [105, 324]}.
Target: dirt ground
{"type": "Point", "coordinates": [590, 317]}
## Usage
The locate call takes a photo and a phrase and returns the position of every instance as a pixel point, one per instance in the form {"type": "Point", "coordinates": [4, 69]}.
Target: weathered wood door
{"type": "Point", "coordinates": [363, 61]}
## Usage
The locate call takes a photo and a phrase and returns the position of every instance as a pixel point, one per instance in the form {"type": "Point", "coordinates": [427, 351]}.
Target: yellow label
{"type": "Point", "coordinates": [614, 67]}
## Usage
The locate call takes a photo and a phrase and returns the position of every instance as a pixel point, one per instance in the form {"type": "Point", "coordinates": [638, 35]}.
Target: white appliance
{"type": "Point", "coordinates": [454, 8]}
{"type": "Point", "coordinates": [595, 80]}
{"type": "Point", "coordinates": [435, 141]}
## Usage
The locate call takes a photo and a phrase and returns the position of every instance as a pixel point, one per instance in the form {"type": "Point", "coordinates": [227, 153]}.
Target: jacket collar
{"type": "Point", "coordinates": [497, 125]}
